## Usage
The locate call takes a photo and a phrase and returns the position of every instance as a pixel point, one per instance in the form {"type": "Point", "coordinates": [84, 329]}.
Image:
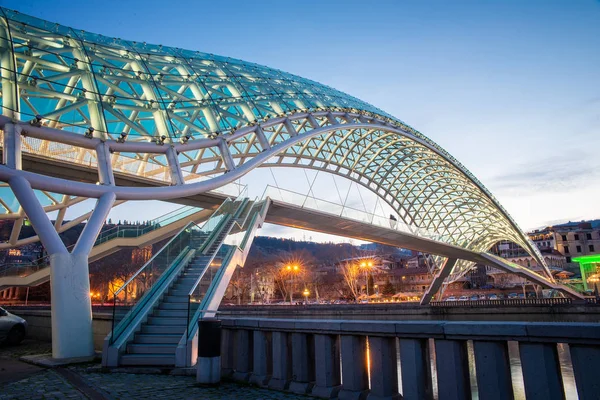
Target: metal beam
{"type": "Point", "coordinates": [442, 274]}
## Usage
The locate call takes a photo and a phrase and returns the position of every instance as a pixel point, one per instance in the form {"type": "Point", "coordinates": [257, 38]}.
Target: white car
{"type": "Point", "coordinates": [451, 298]}
{"type": "Point", "coordinates": [12, 328]}
{"type": "Point", "coordinates": [464, 298]}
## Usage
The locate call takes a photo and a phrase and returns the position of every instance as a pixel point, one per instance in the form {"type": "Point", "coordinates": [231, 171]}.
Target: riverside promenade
{"type": "Point", "coordinates": [19, 380]}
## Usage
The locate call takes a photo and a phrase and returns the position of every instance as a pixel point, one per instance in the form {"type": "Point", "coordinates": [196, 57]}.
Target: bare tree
{"type": "Point", "coordinates": [351, 275]}
{"type": "Point", "coordinates": [240, 286]}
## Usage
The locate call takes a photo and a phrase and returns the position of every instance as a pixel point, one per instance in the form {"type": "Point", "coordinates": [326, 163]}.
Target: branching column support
{"type": "Point", "coordinates": [442, 274]}
{"type": "Point", "coordinates": [72, 335]}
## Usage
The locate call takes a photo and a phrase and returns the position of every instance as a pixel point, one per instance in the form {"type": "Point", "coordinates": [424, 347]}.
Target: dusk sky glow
{"type": "Point", "coordinates": [510, 88]}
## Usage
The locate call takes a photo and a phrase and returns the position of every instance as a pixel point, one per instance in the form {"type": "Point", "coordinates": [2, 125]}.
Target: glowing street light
{"type": "Point", "coordinates": [306, 293]}
{"type": "Point", "coordinates": [293, 270]}
{"type": "Point", "coordinates": [366, 265]}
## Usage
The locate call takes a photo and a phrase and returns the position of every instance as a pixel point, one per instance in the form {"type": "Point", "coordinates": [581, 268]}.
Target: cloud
{"type": "Point", "coordinates": [549, 175]}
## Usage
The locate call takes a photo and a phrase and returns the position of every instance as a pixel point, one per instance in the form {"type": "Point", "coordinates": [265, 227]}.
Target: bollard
{"type": "Point", "coordinates": [208, 368]}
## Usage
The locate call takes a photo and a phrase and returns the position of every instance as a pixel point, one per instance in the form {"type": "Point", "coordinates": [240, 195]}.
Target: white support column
{"type": "Point", "coordinates": [72, 335]}
{"type": "Point", "coordinates": [94, 224]}
{"type": "Point", "coordinates": [438, 280]}
{"type": "Point", "coordinates": [11, 154]}
{"type": "Point", "coordinates": [174, 167]}
{"type": "Point", "coordinates": [35, 212]}
{"type": "Point", "coordinates": [105, 172]}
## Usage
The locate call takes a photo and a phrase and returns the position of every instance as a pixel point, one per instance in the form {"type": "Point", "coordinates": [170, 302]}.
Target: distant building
{"type": "Point", "coordinates": [576, 239]}
{"type": "Point", "coordinates": [573, 239]}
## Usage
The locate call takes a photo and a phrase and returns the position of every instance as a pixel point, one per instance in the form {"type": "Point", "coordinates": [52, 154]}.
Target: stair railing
{"type": "Point", "coordinates": [144, 284]}
{"type": "Point", "coordinates": [233, 250]}
{"type": "Point", "coordinates": [222, 252]}
{"type": "Point", "coordinates": [139, 230]}
{"type": "Point", "coordinates": [141, 286]}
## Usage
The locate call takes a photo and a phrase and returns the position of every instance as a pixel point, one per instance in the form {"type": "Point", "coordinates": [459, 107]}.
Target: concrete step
{"type": "Point", "coordinates": [173, 306]}
{"type": "Point", "coordinates": [171, 321]}
{"type": "Point", "coordinates": [162, 329]}
{"type": "Point", "coordinates": [175, 299]}
{"type": "Point", "coordinates": [183, 285]}
{"type": "Point", "coordinates": [166, 338]}
{"type": "Point", "coordinates": [188, 279]}
{"type": "Point", "coordinates": [178, 292]}
{"type": "Point", "coordinates": [148, 359]}
{"type": "Point", "coordinates": [151, 348]}
{"type": "Point", "coordinates": [170, 313]}
{"type": "Point", "coordinates": [194, 270]}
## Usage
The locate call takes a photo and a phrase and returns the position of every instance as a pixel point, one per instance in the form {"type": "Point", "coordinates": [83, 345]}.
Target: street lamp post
{"type": "Point", "coordinates": [306, 293]}
{"type": "Point", "coordinates": [293, 270]}
{"type": "Point", "coordinates": [364, 266]}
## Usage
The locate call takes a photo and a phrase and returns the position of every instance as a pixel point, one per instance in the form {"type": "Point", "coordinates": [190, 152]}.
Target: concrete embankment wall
{"type": "Point", "coordinates": [39, 325]}
{"type": "Point", "coordinates": [39, 319]}
{"type": "Point", "coordinates": [403, 311]}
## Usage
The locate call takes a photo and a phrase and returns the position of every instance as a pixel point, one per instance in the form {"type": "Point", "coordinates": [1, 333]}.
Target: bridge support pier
{"type": "Point", "coordinates": [438, 280]}
{"type": "Point", "coordinates": [72, 335]}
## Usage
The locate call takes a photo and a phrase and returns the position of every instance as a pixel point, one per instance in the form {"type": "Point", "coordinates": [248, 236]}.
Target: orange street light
{"type": "Point", "coordinates": [306, 293]}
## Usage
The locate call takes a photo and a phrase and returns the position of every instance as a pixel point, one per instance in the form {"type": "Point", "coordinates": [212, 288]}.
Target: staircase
{"type": "Point", "coordinates": [157, 340]}
{"type": "Point", "coordinates": [157, 331]}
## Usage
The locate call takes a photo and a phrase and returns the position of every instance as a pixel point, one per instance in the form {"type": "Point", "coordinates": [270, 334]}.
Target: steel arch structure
{"type": "Point", "coordinates": [198, 121]}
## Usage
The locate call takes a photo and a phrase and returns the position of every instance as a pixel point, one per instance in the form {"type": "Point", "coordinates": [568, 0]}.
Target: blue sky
{"type": "Point", "coordinates": [510, 88]}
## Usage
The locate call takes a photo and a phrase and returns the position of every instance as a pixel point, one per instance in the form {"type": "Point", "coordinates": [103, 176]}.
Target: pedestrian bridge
{"type": "Point", "coordinates": [90, 117]}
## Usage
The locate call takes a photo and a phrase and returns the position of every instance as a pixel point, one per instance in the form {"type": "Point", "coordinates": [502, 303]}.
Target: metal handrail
{"type": "Point", "coordinates": [144, 228]}
{"type": "Point", "coordinates": [149, 262]}
{"type": "Point", "coordinates": [244, 203]}
{"type": "Point", "coordinates": [397, 225]}
{"type": "Point", "coordinates": [142, 301]}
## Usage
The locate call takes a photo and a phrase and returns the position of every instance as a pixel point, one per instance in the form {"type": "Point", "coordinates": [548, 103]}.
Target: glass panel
{"type": "Point", "coordinates": [139, 230]}
{"type": "Point", "coordinates": [138, 289]}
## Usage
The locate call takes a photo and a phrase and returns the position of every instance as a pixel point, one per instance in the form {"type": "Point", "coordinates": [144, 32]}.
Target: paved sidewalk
{"type": "Point", "coordinates": [89, 382]}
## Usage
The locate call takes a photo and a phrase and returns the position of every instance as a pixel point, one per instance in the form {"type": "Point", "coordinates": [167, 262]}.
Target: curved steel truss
{"type": "Point", "coordinates": [197, 121]}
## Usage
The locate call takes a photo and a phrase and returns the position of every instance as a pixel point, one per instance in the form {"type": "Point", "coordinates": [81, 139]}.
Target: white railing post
{"type": "Point", "coordinates": [415, 369]}
{"type": "Point", "coordinates": [586, 368]}
{"type": "Point", "coordinates": [327, 366]}
{"type": "Point", "coordinates": [493, 370]}
{"type": "Point", "coordinates": [242, 357]}
{"type": "Point", "coordinates": [302, 364]}
{"type": "Point", "coordinates": [541, 371]}
{"type": "Point", "coordinates": [281, 361]}
{"type": "Point", "coordinates": [384, 368]}
{"type": "Point", "coordinates": [227, 351]}
{"type": "Point", "coordinates": [452, 370]}
{"type": "Point", "coordinates": [355, 378]}
{"type": "Point", "coordinates": [262, 359]}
